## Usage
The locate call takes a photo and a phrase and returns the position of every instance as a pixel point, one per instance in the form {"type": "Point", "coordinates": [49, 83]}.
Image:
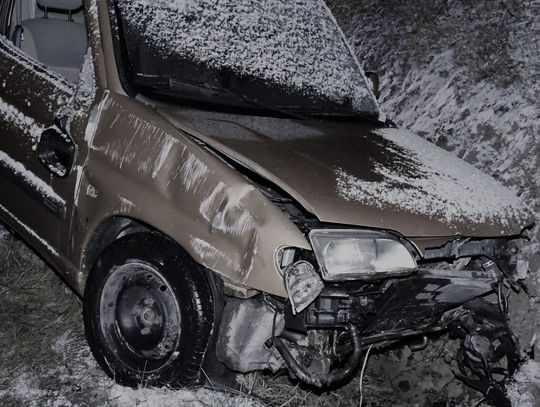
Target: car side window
{"type": "Point", "coordinates": [53, 32]}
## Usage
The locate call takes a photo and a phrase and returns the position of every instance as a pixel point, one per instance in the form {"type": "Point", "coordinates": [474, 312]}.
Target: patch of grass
{"type": "Point", "coordinates": [280, 390]}
{"type": "Point", "coordinates": [44, 358]}
{"type": "Point", "coordinates": [44, 355]}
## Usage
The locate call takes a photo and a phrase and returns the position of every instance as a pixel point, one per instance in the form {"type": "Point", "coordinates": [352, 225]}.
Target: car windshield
{"type": "Point", "coordinates": [279, 55]}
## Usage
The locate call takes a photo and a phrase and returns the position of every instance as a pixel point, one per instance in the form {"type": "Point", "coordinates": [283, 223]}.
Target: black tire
{"type": "Point", "coordinates": [148, 312]}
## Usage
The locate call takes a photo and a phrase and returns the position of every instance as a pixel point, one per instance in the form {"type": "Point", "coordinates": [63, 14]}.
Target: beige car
{"type": "Point", "coordinates": [219, 184]}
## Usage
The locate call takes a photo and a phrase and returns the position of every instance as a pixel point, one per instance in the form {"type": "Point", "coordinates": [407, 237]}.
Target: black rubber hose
{"type": "Point", "coordinates": [292, 336]}
{"type": "Point", "coordinates": [322, 380]}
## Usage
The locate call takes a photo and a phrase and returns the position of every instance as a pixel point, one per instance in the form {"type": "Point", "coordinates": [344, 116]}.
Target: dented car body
{"type": "Point", "coordinates": [317, 234]}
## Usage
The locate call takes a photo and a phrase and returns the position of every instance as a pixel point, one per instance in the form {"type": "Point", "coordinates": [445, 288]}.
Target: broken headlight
{"type": "Point", "coordinates": [356, 254]}
{"type": "Point", "coordinates": [303, 285]}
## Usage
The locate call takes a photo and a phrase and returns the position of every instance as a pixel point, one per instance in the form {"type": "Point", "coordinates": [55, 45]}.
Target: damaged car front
{"type": "Point", "coordinates": [359, 287]}
{"type": "Point", "coordinates": [402, 239]}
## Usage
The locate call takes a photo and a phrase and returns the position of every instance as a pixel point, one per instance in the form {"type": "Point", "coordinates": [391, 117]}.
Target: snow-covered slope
{"type": "Point", "coordinates": [464, 75]}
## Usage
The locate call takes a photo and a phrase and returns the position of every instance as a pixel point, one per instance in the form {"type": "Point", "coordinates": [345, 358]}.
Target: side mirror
{"type": "Point", "coordinates": [56, 151]}
{"type": "Point", "coordinates": [374, 80]}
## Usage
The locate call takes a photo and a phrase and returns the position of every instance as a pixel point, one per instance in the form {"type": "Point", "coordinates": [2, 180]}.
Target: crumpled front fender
{"type": "Point", "coordinates": [141, 167]}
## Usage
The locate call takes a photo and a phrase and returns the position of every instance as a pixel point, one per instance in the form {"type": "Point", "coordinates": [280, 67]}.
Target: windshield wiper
{"type": "Point", "coordinates": [168, 84]}
{"type": "Point", "coordinates": [206, 92]}
{"type": "Point", "coordinates": [258, 104]}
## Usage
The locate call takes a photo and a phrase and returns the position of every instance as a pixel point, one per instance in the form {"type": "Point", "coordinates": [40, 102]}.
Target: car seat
{"type": "Point", "coordinates": [60, 44]}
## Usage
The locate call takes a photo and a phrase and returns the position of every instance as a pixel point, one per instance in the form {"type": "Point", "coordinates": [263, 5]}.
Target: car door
{"type": "Point", "coordinates": [38, 154]}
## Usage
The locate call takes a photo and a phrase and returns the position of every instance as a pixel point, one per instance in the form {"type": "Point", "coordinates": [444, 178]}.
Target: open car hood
{"type": "Point", "coordinates": [363, 175]}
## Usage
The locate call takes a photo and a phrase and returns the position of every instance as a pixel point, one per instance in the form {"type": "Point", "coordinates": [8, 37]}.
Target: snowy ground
{"type": "Point", "coordinates": [466, 79]}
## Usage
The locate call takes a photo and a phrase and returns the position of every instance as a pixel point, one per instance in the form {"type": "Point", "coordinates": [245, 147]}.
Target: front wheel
{"type": "Point", "coordinates": [148, 312]}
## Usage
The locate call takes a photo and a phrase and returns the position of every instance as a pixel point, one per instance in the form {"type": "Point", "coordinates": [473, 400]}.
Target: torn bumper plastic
{"type": "Point", "coordinates": [396, 309]}
{"type": "Point", "coordinates": [392, 307]}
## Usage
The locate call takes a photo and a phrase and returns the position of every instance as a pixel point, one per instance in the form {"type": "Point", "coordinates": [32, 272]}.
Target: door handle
{"type": "Point", "coordinates": [56, 151]}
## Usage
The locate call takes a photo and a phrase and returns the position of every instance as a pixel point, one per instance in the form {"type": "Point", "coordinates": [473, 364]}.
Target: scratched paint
{"type": "Point", "coordinates": [29, 177]}
{"type": "Point", "coordinates": [31, 232]}
{"type": "Point", "coordinates": [10, 114]}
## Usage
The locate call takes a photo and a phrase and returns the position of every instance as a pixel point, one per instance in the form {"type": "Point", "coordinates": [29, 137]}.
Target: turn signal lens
{"type": "Point", "coordinates": [303, 285]}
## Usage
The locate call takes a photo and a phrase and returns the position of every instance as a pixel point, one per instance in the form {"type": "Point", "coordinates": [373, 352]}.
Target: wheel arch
{"type": "Point", "coordinates": [115, 227]}
{"type": "Point", "coordinates": [109, 230]}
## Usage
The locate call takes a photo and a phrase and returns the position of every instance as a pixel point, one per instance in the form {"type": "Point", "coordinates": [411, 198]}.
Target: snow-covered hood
{"type": "Point", "coordinates": [358, 174]}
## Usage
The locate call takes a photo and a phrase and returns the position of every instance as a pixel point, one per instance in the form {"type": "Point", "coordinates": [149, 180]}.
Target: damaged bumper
{"type": "Point", "coordinates": [346, 316]}
{"type": "Point", "coordinates": [409, 307]}
{"type": "Point", "coordinates": [446, 277]}
{"type": "Point", "coordinates": [394, 308]}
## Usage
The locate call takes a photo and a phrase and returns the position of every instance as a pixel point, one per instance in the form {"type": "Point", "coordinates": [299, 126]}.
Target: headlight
{"type": "Point", "coordinates": [355, 254]}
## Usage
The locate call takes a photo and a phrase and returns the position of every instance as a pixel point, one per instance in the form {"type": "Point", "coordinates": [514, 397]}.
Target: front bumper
{"type": "Point", "coordinates": [407, 306]}
{"type": "Point", "coordinates": [448, 282]}
{"type": "Point", "coordinates": [415, 302]}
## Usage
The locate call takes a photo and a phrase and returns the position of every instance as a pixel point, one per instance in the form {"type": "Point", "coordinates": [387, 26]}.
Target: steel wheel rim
{"type": "Point", "coordinates": [140, 317]}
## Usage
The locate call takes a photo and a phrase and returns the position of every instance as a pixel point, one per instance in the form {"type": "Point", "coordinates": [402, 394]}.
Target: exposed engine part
{"type": "Point", "coordinates": [504, 255]}
{"type": "Point", "coordinates": [244, 329]}
{"type": "Point", "coordinates": [313, 352]}
{"type": "Point", "coordinates": [323, 379]}
{"type": "Point", "coordinates": [488, 355]}
{"type": "Point", "coordinates": [331, 310]}
{"type": "Point", "coordinates": [417, 347]}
